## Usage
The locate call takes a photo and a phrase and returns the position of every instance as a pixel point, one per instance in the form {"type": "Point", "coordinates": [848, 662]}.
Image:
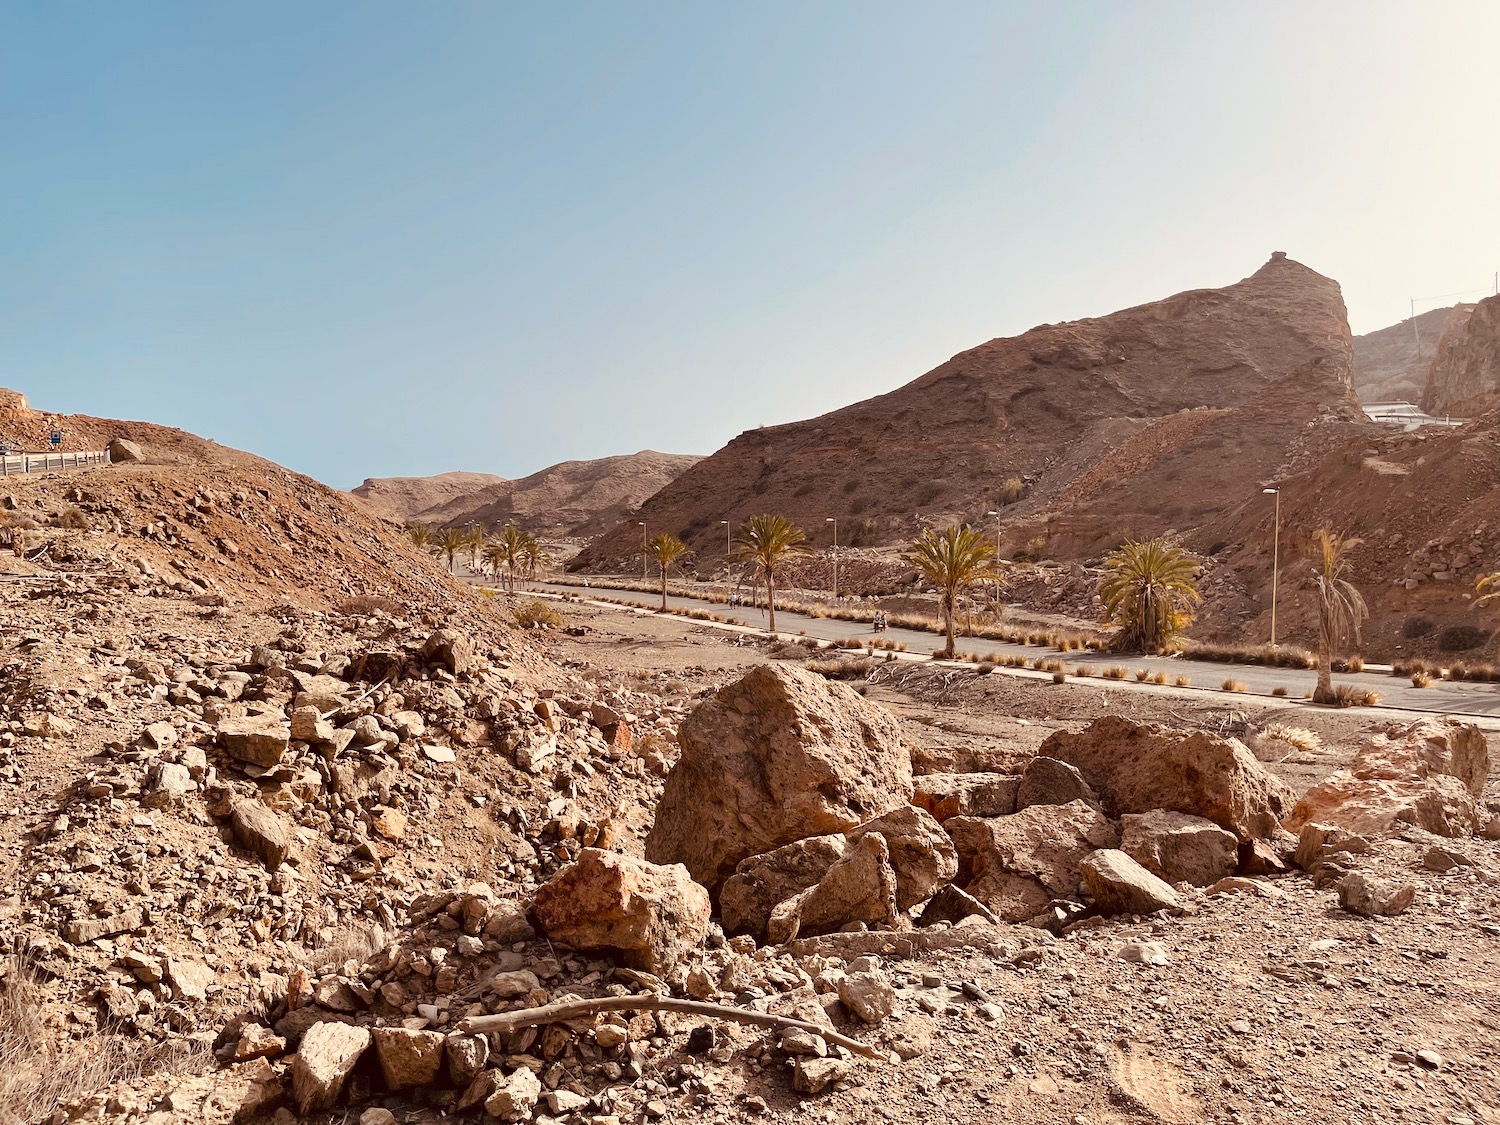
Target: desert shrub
{"type": "Point", "coordinates": [1411, 667]}
{"type": "Point", "coordinates": [1279, 692]}
{"type": "Point", "coordinates": [1184, 681]}
{"type": "Point", "coordinates": [1157, 678]}
{"type": "Point", "coordinates": [1142, 675]}
{"type": "Point", "coordinates": [362, 605]}
{"type": "Point", "coordinates": [1115, 672]}
{"type": "Point", "coordinates": [1299, 738]}
{"type": "Point", "coordinates": [1083, 671]}
{"type": "Point", "coordinates": [1283, 656]}
{"type": "Point", "coordinates": [1461, 638]}
{"type": "Point", "coordinates": [1234, 685]}
{"type": "Point", "coordinates": [536, 614]}
{"type": "Point", "coordinates": [851, 642]}
{"type": "Point", "coordinates": [1414, 627]}
{"type": "Point", "coordinates": [985, 667]}
{"type": "Point", "coordinates": [1347, 695]}
{"type": "Point", "coordinates": [1348, 664]}
{"type": "Point", "coordinates": [840, 669]}
{"type": "Point", "coordinates": [72, 519]}
{"type": "Point", "coordinates": [1049, 665]}
{"type": "Point", "coordinates": [1059, 677]}
{"type": "Point", "coordinates": [1421, 679]}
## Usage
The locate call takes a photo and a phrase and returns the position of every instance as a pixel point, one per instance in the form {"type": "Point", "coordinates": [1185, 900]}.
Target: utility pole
{"type": "Point", "coordinates": [832, 520]}
{"type": "Point", "coordinates": [1275, 558]}
{"type": "Point", "coordinates": [643, 549]}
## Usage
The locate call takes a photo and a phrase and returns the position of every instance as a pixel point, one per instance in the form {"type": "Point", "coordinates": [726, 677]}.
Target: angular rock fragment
{"type": "Point", "coordinates": [947, 795]}
{"type": "Point", "coordinates": [261, 832]}
{"type": "Point", "coordinates": [323, 1062]}
{"type": "Point", "coordinates": [1120, 885]}
{"type": "Point", "coordinates": [260, 740]}
{"type": "Point", "coordinates": [1179, 847]}
{"type": "Point", "coordinates": [1047, 781]}
{"type": "Point", "coordinates": [921, 853]}
{"type": "Point", "coordinates": [1366, 895]}
{"type": "Point", "coordinates": [761, 882]}
{"type": "Point", "coordinates": [860, 887]}
{"type": "Point", "coordinates": [407, 1057]}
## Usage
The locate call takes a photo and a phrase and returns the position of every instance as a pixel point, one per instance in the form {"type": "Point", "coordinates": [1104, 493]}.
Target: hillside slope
{"type": "Point", "coordinates": [1464, 378]}
{"type": "Point", "coordinates": [401, 498]}
{"type": "Point", "coordinates": [1390, 364]}
{"type": "Point", "coordinates": [569, 498]}
{"type": "Point", "coordinates": [1087, 414]}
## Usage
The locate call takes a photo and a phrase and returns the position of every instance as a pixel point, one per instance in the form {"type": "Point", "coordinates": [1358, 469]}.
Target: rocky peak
{"type": "Point", "coordinates": [1465, 372]}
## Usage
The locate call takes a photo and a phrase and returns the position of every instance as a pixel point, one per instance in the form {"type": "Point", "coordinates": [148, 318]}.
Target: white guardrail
{"type": "Point", "coordinates": [13, 464]}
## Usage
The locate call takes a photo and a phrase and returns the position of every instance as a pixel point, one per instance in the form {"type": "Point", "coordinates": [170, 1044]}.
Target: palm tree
{"type": "Point", "coordinates": [474, 542]}
{"type": "Point", "coordinates": [766, 541]}
{"type": "Point", "coordinates": [535, 555]}
{"type": "Point", "coordinates": [952, 560]}
{"type": "Point", "coordinates": [1341, 608]}
{"type": "Point", "coordinates": [665, 549]}
{"type": "Point", "coordinates": [1149, 589]}
{"type": "Point", "coordinates": [420, 535]}
{"type": "Point", "coordinates": [450, 543]}
{"type": "Point", "coordinates": [512, 543]}
{"type": "Point", "coordinates": [494, 556]}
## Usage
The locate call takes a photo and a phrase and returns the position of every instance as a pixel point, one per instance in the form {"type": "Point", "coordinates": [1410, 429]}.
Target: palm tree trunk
{"type": "Point", "coordinates": [1323, 693]}
{"type": "Point", "coordinates": [948, 621]}
{"type": "Point", "coordinates": [664, 589]}
{"type": "Point", "coordinates": [771, 597]}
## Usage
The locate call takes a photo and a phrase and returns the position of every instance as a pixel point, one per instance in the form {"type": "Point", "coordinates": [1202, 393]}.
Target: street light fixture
{"type": "Point", "coordinates": [830, 519]}
{"type": "Point", "coordinates": [643, 549]}
{"type": "Point", "coordinates": [1275, 558]}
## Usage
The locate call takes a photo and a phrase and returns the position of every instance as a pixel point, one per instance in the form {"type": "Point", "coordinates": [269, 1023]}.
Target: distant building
{"type": "Point", "coordinates": [1407, 416]}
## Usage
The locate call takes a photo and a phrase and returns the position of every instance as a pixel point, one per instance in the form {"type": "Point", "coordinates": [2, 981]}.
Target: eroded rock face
{"type": "Point", "coordinates": [1138, 767]}
{"type": "Point", "coordinates": [1179, 847]}
{"type": "Point", "coordinates": [947, 795]}
{"type": "Point", "coordinates": [922, 854]}
{"type": "Point", "coordinates": [1047, 781]}
{"type": "Point", "coordinates": [651, 914]}
{"type": "Point", "coordinates": [860, 887]}
{"type": "Point", "coordinates": [1427, 774]}
{"type": "Point", "coordinates": [1466, 367]}
{"type": "Point", "coordinates": [1016, 864]}
{"type": "Point", "coordinates": [122, 452]}
{"type": "Point", "coordinates": [777, 756]}
{"type": "Point", "coordinates": [408, 1057]}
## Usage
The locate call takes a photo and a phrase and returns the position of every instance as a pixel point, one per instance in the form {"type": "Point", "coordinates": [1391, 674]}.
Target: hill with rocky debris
{"type": "Point", "coordinates": [1147, 420]}
{"type": "Point", "coordinates": [1391, 364]}
{"type": "Point", "coordinates": [575, 498]}
{"type": "Point", "coordinates": [401, 498]}
{"type": "Point", "coordinates": [1464, 379]}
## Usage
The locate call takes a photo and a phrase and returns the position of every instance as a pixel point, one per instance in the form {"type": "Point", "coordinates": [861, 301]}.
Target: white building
{"type": "Point", "coordinates": [1407, 416]}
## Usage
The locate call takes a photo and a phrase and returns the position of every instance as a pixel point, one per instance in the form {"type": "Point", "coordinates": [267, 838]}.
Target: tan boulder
{"type": "Point", "coordinates": [323, 1062]}
{"type": "Point", "coordinates": [1136, 767]}
{"type": "Point", "coordinates": [260, 831]}
{"type": "Point", "coordinates": [407, 1057]}
{"type": "Point", "coordinates": [947, 795]}
{"type": "Point", "coordinates": [1016, 864]}
{"type": "Point", "coordinates": [1046, 781]}
{"type": "Point", "coordinates": [777, 756]}
{"type": "Point", "coordinates": [1120, 885]}
{"type": "Point", "coordinates": [1427, 774]}
{"type": "Point", "coordinates": [860, 887]}
{"type": "Point", "coordinates": [921, 853]}
{"type": "Point", "coordinates": [606, 901]}
{"type": "Point", "coordinates": [260, 740]}
{"type": "Point", "coordinates": [122, 452]}
{"type": "Point", "coordinates": [761, 882]}
{"type": "Point", "coordinates": [1179, 847]}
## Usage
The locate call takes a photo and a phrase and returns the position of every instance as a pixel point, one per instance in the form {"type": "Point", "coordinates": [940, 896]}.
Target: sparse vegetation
{"type": "Point", "coordinates": [1234, 685]}
{"type": "Point", "coordinates": [1059, 677]}
{"type": "Point", "coordinates": [366, 604]}
{"type": "Point", "coordinates": [536, 614]}
{"type": "Point", "coordinates": [665, 549]}
{"type": "Point", "coordinates": [1116, 672]}
{"type": "Point", "coordinates": [952, 560]}
{"type": "Point", "coordinates": [1341, 608]}
{"type": "Point", "coordinates": [1421, 679]}
{"type": "Point", "coordinates": [1184, 681]}
{"type": "Point", "coordinates": [1083, 671]}
{"type": "Point", "coordinates": [71, 518]}
{"type": "Point", "coordinates": [766, 541]}
{"type": "Point", "coordinates": [1279, 691]}
{"type": "Point", "coordinates": [1348, 695]}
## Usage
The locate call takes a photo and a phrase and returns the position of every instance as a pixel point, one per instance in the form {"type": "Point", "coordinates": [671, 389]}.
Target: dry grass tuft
{"type": "Point", "coordinates": [1235, 685]}
{"type": "Point", "coordinates": [1116, 672]}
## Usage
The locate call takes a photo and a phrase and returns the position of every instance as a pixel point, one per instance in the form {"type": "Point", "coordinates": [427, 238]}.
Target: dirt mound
{"type": "Point", "coordinates": [401, 498]}
{"type": "Point", "coordinates": [569, 498]}
{"type": "Point", "coordinates": [23, 427]}
{"type": "Point", "coordinates": [1270, 355]}
{"type": "Point", "coordinates": [1390, 364]}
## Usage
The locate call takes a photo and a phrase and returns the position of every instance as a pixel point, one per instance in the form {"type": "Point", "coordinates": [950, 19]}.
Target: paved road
{"type": "Point", "coordinates": [1440, 698]}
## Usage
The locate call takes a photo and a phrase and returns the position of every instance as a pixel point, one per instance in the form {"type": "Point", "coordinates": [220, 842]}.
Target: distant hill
{"type": "Point", "coordinates": [1391, 364]}
{"type": "Point", "coordinates": [1464, 379]}
{"type": "Point", "coordinates": [571, 498]}
{"type": "Point", "coordinates": [1147, 420]}
{"type": "Point", "coordinates": [400, 498]}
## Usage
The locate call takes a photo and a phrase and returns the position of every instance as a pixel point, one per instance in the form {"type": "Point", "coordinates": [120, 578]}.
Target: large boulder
{"type": "Point", "coordinates": [1120, 885]}
{"type": "Point", "coordinates": [1136, 767]}
{"type": "Point", "coordinates": [122, 452]}
{"type": "Point", "coordinates": [606, 901]}
{"type": "Point", "coordinates": [762, 882]}
{"type": "Point", "coordinates": [260, 740]}
{"type": "Point", "coordinates": [260, 831]}
{"type": "Point", "coordinates": [1178, 847]}
{"type": "Point", "coordinates": [323, 1063]}
{"type": "Point", "coordinates": [779, 755]}
{"type": "Point", "coordinates": [1428, 774]}
{"type": "Point", "coordinates": [922, 854]}
{"type": "Point", "coordinates": [947, 795]}
{"type": "Point", "coordinates": [1016, 865]}
{"type": "Point", "coordinates": [860, 887]}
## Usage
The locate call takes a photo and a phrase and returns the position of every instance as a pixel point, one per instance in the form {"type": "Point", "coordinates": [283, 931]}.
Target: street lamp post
{"type": "Point", "coordinates": [835, 523]}
{"type": "Point", "coordinates": [996, 514]}
{"type": "Point", "coordinates": [1275, 558]}
{"type": "Point", "coordinates": [643, 549]}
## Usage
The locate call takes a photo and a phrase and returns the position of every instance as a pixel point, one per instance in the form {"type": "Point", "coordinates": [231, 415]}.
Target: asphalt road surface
{"type": "Point", "coordinates": [1439, 698]}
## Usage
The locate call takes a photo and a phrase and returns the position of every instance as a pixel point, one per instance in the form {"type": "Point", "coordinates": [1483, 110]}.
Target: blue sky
{"type": "Point", "coordinates": [372, 239]}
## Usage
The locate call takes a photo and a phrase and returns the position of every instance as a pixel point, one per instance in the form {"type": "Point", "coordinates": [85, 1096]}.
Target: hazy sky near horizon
{"type": "Point", "coordinates": [379, 239]}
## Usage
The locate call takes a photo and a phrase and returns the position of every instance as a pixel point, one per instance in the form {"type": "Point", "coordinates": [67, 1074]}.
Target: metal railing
{"type": "Point", "coordinates": [13, 464]}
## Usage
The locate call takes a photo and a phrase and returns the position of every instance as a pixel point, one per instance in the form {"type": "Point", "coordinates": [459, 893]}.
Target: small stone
{"type": "Point", "coordinates": [813, 1075]}
{"type": "Point", "coordinates": [377, 1116]}
{"type": "Point", "coordinates": [1240, 1027]}
{"type": "Point", "coordinates": [868, 995]}
{"type": "Point", "coordinates": [1430, 1059]}
{"type": "Point", "coordinates": [516, 1097]}
{"type": "Point", "coordinates": [1145, 953]}
{"type": "Point", "coordinates": [1367, 896]}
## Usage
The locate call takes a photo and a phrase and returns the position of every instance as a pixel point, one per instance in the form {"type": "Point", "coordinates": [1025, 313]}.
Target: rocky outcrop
{"type": "Point", "coordinates": [1429, 774]}
{"type": "Point", "coordinates": [1178, 847]}
{"type": "Point", "coordinates": [1017, 864]}
{"type": "Point", "coordinates": [777, 756]}
{"type": "Point", "coordinates": [1465, 371]}
{"type": "Point", "coordinates": [649, 913]}
{"type": "Point", "coordinates": [1137, 767]}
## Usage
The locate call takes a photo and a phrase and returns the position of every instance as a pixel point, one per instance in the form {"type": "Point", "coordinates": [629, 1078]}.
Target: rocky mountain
{"type": "Point", "coordinates": [401, 498]}
{"type": "Point", "coordinates": [1149, 419]}
{"type": "Point", "coordinates": [1391, 364]}
{"type": "Point", "coordinates": [1464, 378]}
{"type": "Point", "coordinates": [569, 498]}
